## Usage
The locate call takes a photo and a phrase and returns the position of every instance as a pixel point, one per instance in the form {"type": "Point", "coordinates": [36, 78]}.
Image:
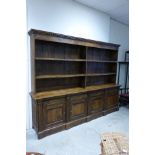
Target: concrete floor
{"type": "Point", "coordinates": [80, 140]}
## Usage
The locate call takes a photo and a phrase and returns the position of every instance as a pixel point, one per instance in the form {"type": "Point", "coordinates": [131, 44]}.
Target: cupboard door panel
{"type": "Point", "coordinates": [78, 109]}
{"type": "Point", "coordinates": [55, 115]}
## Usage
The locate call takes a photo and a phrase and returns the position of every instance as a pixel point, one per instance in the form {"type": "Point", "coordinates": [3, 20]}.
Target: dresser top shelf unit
{"type": "Point", "coordinates": [64, 64]}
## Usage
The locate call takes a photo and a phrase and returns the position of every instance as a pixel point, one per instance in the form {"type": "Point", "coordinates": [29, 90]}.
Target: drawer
{"type": "Point", "coordinates": [111, 91]}
{"type": "Point", "coordinates": [78, 97]}
{"type": "Point", "coordinates": [55, 101]}
{"type": "Point", "coordinates": [96, 93]}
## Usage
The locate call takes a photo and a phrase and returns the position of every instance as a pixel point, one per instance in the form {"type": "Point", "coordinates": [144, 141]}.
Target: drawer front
{"type": "Point", "coordinates": [55, 101]}
{"type": "Point", "coordinates": [54, 112]}
{"type": "Point", "coordinates": [95, 105]}
{"type": "Point", "coordinates": [78, 97]}
{"type": "Point", "coordinates": [112, 91]}
{"type": "Point", "coordinates": [96, 93]}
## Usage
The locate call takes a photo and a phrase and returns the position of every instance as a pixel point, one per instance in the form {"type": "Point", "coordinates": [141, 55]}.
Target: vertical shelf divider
{"type": "Point", "coordinates": [86, 68]}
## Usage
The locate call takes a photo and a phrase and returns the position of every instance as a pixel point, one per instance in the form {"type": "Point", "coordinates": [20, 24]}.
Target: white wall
{"type": "Point", "coordinates": [66, 17]}
{"type": "Point", "coordinates": [119, 34]}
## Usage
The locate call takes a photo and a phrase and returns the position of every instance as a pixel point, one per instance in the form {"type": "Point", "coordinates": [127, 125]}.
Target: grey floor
{"type": "Point", "coordinates": [83, 139]}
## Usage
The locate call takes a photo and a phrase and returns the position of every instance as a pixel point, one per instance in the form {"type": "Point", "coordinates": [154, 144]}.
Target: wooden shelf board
{"type": "Point", "coordinates": [101, 74]}
{"type": "Point", "coordinates": [61, 92]}
{"type": "Point", "coordinates": [80, 60]}
{"type": "Point", "coordinates": [58, 76]}
{"type": "Point", "coordinates": [102, 61]}
{"type": "Point", "coordinates": [59, 59]}
{"type": "Point", "coordinates": [72, 75]}
{"type": "Point", "coordinates": [123, 62]}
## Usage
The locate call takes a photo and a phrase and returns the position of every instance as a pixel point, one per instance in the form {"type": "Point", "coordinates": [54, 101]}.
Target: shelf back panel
{"type": "Point", "coordinates": [101, 54]}
{"type": "Point", "coordinates": [99, 80]}
{"type": "Point", "coordinates": [58, 83]}
{"type": "Point", "coordinates": [95, 67]}
{"type": "Point", "coordinates": [59, 67]}
{"type": "Point", "coordinates": [48, 49]}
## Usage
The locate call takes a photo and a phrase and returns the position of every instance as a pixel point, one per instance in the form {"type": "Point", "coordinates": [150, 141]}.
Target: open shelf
{"type": "Point", "coordinates": [59, 83]}
{"type": "Point", "coordinates": [101, 68]}
{"type": "Point", "coordinates": [101, 55]}
{"type": "Point", "coordinates": [53, 69]}
{"type": "Point", "coordinates": [100, 80]}
{"type": "Point", "coordinates": [62, 92]}
{"type": "Point", "coordinates": [47, 49]}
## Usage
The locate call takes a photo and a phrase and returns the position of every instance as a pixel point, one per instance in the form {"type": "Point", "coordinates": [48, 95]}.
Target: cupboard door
{"type": "Point", "coordinates": [54, 112]}
{"type": "Point", "coordinates": [111, 101]}
{"type": "Point", "coordinates": [95, 105]}
{"type": "Point", "coordinates": [96, 101]}
{"type": "Point", "coordinates": [111, 98]}
{"type": "Point", "coordinates": [78, 106]}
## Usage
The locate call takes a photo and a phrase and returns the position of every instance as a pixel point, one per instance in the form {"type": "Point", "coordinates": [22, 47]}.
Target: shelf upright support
{"type": "Point", "coordinates": [86, 68]}
{"type": "Point", "coordinates": [32, 50]}
{"type": "Point", "coordinates": [118, 73]}
{"type": "Point", "coordinates": [127, 74]}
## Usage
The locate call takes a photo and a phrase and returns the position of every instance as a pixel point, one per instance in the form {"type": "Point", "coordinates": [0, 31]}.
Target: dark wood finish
{"type": "Point", "coordinates": [73, 81]}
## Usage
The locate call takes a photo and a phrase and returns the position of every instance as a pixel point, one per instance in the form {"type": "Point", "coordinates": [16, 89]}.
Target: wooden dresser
{"type": "Point", "coordinates": [73, 80]}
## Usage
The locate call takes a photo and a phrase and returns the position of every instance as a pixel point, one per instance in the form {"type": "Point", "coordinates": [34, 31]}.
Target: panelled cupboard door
{"type": "Point", "coordinates": [54, 112]}
{"type": "Point", "coordinates": [95, 105]}
{"type": "Point", "coordinates": [78, 107]}
{"type": "Point", "coordinates": [111, 101]}
{"type": "Point", "coordinates": [96, 101]}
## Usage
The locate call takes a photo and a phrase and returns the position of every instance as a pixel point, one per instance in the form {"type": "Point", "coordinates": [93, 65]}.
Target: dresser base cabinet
{"type": "Point", "coordinates": [54, 114]}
